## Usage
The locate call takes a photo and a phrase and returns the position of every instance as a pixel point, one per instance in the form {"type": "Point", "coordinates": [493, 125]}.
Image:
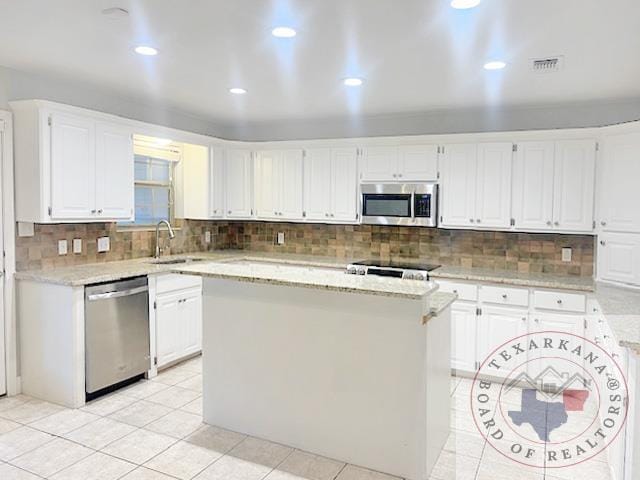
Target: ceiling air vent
{"type": "Point", "coordinates": [547, 65]}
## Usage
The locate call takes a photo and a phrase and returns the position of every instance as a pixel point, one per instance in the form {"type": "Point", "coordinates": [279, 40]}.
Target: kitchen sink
{"type": "Point", "coordinates": [176, 261]}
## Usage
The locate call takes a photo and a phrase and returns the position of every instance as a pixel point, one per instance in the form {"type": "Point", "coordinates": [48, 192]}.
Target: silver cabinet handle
{"type": "Point", "coordinates": [603, 223]}
{"type": "Point", "coordinates": [123, 293]}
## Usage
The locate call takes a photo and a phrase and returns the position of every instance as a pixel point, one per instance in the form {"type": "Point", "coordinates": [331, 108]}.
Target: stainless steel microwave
{"type": "Point", "coordinates": [412, 204]}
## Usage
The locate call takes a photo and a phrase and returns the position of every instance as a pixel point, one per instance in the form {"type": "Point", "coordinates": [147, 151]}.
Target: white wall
{"type": "Point", "coordinates": [17, 85]}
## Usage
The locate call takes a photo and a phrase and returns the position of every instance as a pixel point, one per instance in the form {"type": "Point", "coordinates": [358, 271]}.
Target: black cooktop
{"type": "Point", "coordinates": [390, 264]}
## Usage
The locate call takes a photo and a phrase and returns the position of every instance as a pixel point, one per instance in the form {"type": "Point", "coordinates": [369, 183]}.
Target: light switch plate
{"type": "Point", "coordinates": [77, 245]}
{"type": "Point", "coordinates": [104, 244]}
{"type": "Point", "coordinates": [566, 254]}
{"type": "Point", "coordinates": [280, 239]}
{"type": "Point", "coordinates": [207, 237]}
{"type": "Point", "coordinates": [62, 247]}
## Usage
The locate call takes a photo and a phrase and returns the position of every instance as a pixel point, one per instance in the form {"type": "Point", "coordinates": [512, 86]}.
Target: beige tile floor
{"type": "Point", "coordinates": [153, 430]}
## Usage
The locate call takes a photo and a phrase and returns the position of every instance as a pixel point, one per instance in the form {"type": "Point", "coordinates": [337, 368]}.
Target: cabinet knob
{"type": "Point", "coordinates": [524, 319]}
{"type": "Point", "coordinates": [455, 291]}
{"type": "Point", "coordinates": [332, 215]}
{"type": "Point", "coordinates": [471, 220]}
{"type": "Point", "coordinates": [549, 222]}
{"type": "Point", "coordinates": [603, 223]}
{"type": "Point", "coordinates": [603, 243]}
{"type": "Point", "coordinates": [93, 212]}
{"type": "Point", "coordinates": [556, 223]}
{"type": "Point", "coordinates": [537, 320]}
{"type": "Point", "coordinates": [229, 212]}
{"type": "Point", "coordinates": [326, 214]}
{"type": "Point", "coordinates": [394, 175]}
{"type": "Point", "coordinates": [478, 220]}
{"type": "Point", "coordinates": [399, 175]}
{"type": "Point", "coordinates": [615, 355]}
{"type": "Point", "coordinates": [559, 301]}
{"type": "Point", "coordinates": [504, 296]}
{"type": "Point", "coordinates": [100, 212]}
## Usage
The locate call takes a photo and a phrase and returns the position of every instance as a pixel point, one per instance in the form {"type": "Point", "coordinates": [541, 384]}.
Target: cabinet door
{"type": "Point", "coordinates": [344, 181]}
{"type": "Point", "coordinates": [317, 183]}
{"type": "Point", "coordinates": [533, 186]}
{"type": "Point", "coordinates": [192, 186]}
{"type": "Point", "coordinates": [574, 185]}
{"type": "Point", "coordinates": [114, 172]}
{"type": "Point", "coordinates": [190, 318]}
{"type": "Point", "coordinates": [497, 325]}
{"type": "Point", "coordinates": [458, 185]}
{"type": "Point", "coordinates": [216, 183]}
{"type": "Point", "coordinates": [619, 195]}
{"type": "Point", "coordinates": [619, 257]}
{"type": "Point", "coordinates": [493, 191]}
{"type": "Point", "coordinates": [267, 184]}
{"type": "Point", "coordinates": [291, 182]}
{"type": "Point", "coordinates": [168, 328]}
{"type": "Point", "coordinates": [73, 163]}
{"type": "Point", "coordinates": [463, 336]}
{"type": "Point", "coordinates": [380, 164]}
{"type": "Point", "coordinates": [238, 184]}
{"type": "Point", "coordinates": [418, 162]}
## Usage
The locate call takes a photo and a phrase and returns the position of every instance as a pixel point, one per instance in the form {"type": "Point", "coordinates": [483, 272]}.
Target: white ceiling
{"type": "Point", "coordinates": [415, 55]}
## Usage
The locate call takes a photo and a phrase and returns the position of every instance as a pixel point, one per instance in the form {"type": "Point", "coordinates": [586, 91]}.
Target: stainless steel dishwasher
{"type": "Point", "coordinates": [116, 333]}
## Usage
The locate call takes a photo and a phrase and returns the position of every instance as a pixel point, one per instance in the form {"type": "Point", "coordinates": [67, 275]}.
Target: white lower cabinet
{"type": "Point", "coordinates": [496, 326]}
{"type": "Point", "coordinates": [463, 336]}
{"type": "Point", "coordinates": [178, 318]}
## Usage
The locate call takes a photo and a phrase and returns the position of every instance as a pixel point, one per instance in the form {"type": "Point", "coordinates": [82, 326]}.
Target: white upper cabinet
{"type": "Point", "coordinates": [493, 191]}
{"type": "Point", "coordinates": [330, 184]}
{"type": "Point", "coordinates": [344, 192]}
{"type": "Point", "coordinates": [278, 184]}
{"type": "Point", "coordinates": [400, 163]}
{"type": "Point", "coordinates": [533, 186]}
{"type": "Point", "coordinates": [217, 183]}
{"type": "Point", "coordinates": [458, 185]}
{"type": "Point", "coordinates": [317, 184]}
{"type": "Point", "coordinates": [619, 257]}
{"type": "Point", "coordinates": [114, 171]}
{"type": "Point", "coordinates": [192, 183]}
{"type": "Point", "coordinates": [619, 195]}
{"type": "Point", "coordinates": [71, 165]}
{"type": "Point", "coordinates": [574, 177]}
{"type": "Point", "coordinates": [238, 184]}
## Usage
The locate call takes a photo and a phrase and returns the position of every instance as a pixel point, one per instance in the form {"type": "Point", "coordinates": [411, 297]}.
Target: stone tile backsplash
{"type": "Point", "coordinates": [523, 252]}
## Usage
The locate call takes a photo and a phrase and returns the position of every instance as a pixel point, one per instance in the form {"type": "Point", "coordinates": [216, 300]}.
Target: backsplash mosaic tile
{"type": "Point", "coordinates": [522, 252]}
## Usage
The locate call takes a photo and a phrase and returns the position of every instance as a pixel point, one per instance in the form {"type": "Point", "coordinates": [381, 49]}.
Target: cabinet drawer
{"type": "Point", "coordinates": [175, 281]}
{"type": "Point", "coordinates": [505, 296]}
{"type": "Point", "coordinates": [561, 301]}
{"type": "Point", "coordinates": [465, 291]}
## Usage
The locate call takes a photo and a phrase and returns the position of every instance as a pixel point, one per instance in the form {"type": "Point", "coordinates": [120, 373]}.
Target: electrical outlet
{"type": "Point", "coordinates": [566, 254]}
{"type": "Point", "coordinates": [207, 237]}
{"type": "Point", "coordinates": [77, 245]}
{"type": "Point", "coordinates": [62, 247]}
{"type": "Point", "coordinates": [104, 244]}
{"type": "Point", "coordinates": [280, 239]}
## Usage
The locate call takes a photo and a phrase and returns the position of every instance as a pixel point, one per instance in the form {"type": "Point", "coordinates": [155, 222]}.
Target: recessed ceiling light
{"type": "Point", "coordinates": [146, 50]}
{"type": "Point", "coordinates": [283, 32]}
{"type": "Point", "coordinates": [464, 4]}
{"type": "Point", "coordinates": [237, 91]}
{"type": "Point", "coordinates": [495, 65]}
{"type": "Point", "coordinates": [352, 82]}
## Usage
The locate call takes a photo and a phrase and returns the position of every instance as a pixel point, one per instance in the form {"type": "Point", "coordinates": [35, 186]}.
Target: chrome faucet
{"type": "Point", "coordinates": [171, 235]}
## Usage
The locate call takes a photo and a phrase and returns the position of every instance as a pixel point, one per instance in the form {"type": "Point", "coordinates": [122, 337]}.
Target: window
{"type": "Point", "coordinates": [153, 190]}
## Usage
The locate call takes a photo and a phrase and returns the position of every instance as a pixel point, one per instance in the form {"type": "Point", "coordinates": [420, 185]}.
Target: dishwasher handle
{"type": "Point", "coordinates": [117, 294]}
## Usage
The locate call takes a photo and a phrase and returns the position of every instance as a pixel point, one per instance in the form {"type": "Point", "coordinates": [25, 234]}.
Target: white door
{"type": "Point", "coordinates": [619, 195]}
{"type": "Point", "coordinates": [114, 172]}
{"type": "Point", "coordinates": [291, 182]}
{"type": "Point", "coordinates": [73, 163]}
{"type": "Point", "coordinates": [238, 184]}
{"type": "Point", "coordinates": [496, 326]}
{"type": "Point", "coordinates": [418, 162]}
{"type": "Point", "coordinates": [267, 168]}
{"type": "Point", "coordinates": [493, 191]}
{"type": "Point", "coordinates": [216, 182]}
{"type": "Point", "coordinates": [168, 329]}
{"type": "Point", "coordinates": [619, 257]}
{"type": "Point", "coordinates": [190, 316]}
{"type": "Point", "coordinates": [3, 288]}
{"type": "Point", "coordinates": [380, 164]}
{"type": "Point", "coordinates": [573, 198]}
{"type": "Point", "coordinates": [458, 185]}
{"type": "Point", "coordinates": [317, 183]}
{"type": "Point", "coordinates": [463, 336]}
{"type": "Point", "coordinates": [533, 186]}
{"type": "Point", "coordinates": [344, 181]}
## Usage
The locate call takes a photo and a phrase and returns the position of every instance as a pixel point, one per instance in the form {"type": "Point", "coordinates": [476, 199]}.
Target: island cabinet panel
{"type": "Point", "coordinates": [619, 195]}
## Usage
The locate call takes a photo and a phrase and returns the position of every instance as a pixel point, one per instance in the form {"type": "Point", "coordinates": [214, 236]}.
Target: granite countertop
{"type": "Point", "coordinates": [621, 307]}
{"type": "Point", "coordinates": [441, 300]}
{"type": "Point", "coordinates": [541, 280]}
{"type": "Point", "coordinates": [310, 276]}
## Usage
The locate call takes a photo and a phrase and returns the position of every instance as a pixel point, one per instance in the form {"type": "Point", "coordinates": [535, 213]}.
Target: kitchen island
{"type": "Point", "coordinates": [349, 367]}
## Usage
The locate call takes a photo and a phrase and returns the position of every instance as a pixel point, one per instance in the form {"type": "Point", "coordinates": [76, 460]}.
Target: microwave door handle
{"type": "Point", "coordinates": [413, 207]}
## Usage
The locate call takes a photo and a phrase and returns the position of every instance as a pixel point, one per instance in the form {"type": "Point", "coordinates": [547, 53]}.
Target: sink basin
{"type": "Point", "coordinates": [176, 261]}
